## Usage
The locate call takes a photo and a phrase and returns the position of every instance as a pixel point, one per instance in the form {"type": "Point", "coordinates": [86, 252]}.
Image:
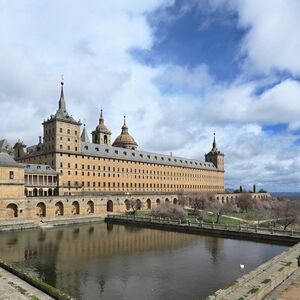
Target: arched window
{"type": "Point", "coordinates": [41, 209]}
{"type": "Point", "coordinates": [110, 206]}
{"type": "Point", "coordinates": [105, 139]}
{"type": "Point", "coordinates": [148, 204]}
{"type": "Point", "coordinates": [90, 207]}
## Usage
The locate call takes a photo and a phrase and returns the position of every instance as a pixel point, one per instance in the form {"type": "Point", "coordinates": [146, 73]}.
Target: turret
{"type": "Point", "coordinates": [215, 156]}
{"type": "Point", "coordinates": [101, 135]}
{"type": "Point", "coordinates": [20, 150]}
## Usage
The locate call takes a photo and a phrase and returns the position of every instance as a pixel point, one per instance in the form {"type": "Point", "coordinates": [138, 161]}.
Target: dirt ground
{"type": "Point", "coordinates": [292, 292]}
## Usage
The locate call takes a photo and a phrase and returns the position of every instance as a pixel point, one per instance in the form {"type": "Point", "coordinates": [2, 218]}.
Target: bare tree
{"type": "Point", "coordinates": [220, 209]}
{"type": "Point", "coordinates": [169, 211]}
{"type": "Point", "coordinates": [135, 205]}
{"type": "Point", "coordinates": [244, 202]}
{"type": "Point", "coordinates": [200, 202]}
{"type": "Point", "coordinates": [287, 212]}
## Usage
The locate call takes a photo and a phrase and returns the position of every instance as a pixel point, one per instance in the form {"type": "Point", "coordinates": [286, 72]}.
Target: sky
{"type": "Point", "coordinates": [179, 70]}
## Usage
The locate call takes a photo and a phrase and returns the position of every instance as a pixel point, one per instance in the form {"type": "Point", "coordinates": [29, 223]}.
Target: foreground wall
{"type": "Point", "coordinates": [36, 207]}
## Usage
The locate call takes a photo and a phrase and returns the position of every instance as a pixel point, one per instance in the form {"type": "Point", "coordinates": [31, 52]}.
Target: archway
{"type": "Point", "coordinates": [12, 210]}
{"type": "Point", "coordinates": [41, 209]}
{"type": "Point", "coordinates": [26, 192]}
{"type": "Point", "coordinates": [175, 201]}
{"type": "Point", "coordinates": [127, 204]}
{"type": "Point", "coordinates": [55, 193]}
{"type": "Point", "coordinates": [138, 204]}
{"type": "Point", "coordinates": [35, 192]}
{"type": "Point", "coordinates": [167, 201]}
{"type": "Point", "coordinates": [105, 139]}
{"type": "Point", "coordinates": [41, 192]}
{"type": "Point", "coordinates": [50, 192]}
{"type": "Point", "coordinates": [75, 208]}
{"type": "Point", "coordinates": [157, 202]}
{"type": "Point", "coordinates": [90, 207]}
{"type": "Point", "coordinates": [59, 209]}
{"type": "Point", "coordinates": [148, 204]}
{"type": "Point", "coordinates": [109, 206]}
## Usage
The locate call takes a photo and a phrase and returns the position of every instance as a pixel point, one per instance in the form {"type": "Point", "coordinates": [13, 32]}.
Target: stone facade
{"type": "Point", "coordinates": [11, 177]}
{"type": "Point", "coordinates": [50, 207]}
{"type": "Point", "coordinates": [99, 167]}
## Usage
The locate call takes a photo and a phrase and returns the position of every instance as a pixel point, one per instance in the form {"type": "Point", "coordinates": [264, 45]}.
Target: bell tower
{"type": "Point", "coordinates": [101, 135]}
{"type": "Point", "coordinates": [61, 131]}
{"type": "Point", "coordinates": [215, 156]}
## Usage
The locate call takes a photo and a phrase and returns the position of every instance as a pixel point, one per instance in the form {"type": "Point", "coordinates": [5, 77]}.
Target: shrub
{"type": "Point", "coordinates": [169, 211]}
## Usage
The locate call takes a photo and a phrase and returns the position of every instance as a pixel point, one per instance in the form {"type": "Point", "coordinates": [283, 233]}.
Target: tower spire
{"type": "Point", "coordinates": [101, 119]}
{"type": "Point", "coordinates": [214, 145]}
{"type": "Point", "coordinates": [62, 103]}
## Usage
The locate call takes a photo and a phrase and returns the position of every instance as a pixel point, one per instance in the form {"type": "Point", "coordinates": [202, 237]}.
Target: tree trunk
{"type": "Point", "coordinates": [218, 217]}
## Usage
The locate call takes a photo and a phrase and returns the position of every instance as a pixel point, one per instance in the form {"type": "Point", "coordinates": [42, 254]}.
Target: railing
{"type": "Point", "coordinates": [212, 226]}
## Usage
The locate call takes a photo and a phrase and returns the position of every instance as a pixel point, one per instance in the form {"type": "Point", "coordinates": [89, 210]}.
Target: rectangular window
{"type": "Point", "coordinates": [11, 175]}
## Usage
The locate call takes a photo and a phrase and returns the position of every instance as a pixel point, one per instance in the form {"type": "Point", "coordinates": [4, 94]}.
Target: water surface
{"type": "Point", "coordinates": [102, 261]}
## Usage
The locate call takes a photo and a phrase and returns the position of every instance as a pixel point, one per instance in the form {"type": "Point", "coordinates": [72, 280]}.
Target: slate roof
{"type": "Point", "coordinates": [84, 136]}
{"type": "Point", "coordinates": [7, 161]}
{"type": "Point", "coordinates": [41, 169]}
{"type": "Point", "coordinates": [5, 146]}
{"type": "Point", "coordinates": [142, 156]}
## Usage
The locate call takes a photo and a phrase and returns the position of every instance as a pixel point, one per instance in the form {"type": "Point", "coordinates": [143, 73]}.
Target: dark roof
{"type": "Point", "coordinates": [42, 169]}
{"type": "Point", "coordinates": [142, 156]}
{"type": "Point", "coordinates": [5, 146]}
{"type": "Point", "coordinates": [7, 161]}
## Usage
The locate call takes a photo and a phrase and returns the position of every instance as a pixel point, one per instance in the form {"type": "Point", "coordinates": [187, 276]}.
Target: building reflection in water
{"type": "Point", "coordinates": [71, 248]}
{"type": "Point", "coordinates": [103, 261]}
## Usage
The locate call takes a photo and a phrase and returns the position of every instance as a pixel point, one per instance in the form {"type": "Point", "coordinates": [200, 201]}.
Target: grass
{"type": "Point", "coordinates": [229, 285]}
{"type": "Point", "coordinates": [266, 281]}
{"type": "Point", "coordinates": [21, 290]}
{"type": "Point", "coordinates": [210, 218]}
{"type": "Point", "coordinates": [253, 290]}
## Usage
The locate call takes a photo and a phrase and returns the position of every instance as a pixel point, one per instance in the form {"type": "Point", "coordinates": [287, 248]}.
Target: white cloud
{"type": "Point", "coordinates": [273, 39]}
{"type": "Point", "coordinates": [168, 107]}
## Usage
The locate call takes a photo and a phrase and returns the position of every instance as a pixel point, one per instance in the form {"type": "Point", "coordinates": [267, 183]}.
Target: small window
{"type": "Point", "coordinates": [11, 174]}
{"type": "Point", "coordinates": [97, 149]}
{"type": "Point", "coordinates": [125, 153]}
{"type": "Point", "coordinates": [116, 151]}
{"type": "Point", "coordinates": [68, 131]}
{"type": "Point", "coordinates": [60, 130]}
{"type": "Point", "coordinates": [107, 150]}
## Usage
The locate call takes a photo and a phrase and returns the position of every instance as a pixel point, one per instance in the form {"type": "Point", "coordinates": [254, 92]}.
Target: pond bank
{"type": "Point", "coordinates": [226, 231]}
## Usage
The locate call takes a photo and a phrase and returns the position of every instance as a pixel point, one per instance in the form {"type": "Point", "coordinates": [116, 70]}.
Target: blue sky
{"type": "Point", "coordinates": [178, 69]}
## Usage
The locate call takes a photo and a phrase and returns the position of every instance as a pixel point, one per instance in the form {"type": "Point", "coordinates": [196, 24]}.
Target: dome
{"type": "Point", "coordinates": [125, 140]}
{"type": "Point", "coordinates": [101, 126]}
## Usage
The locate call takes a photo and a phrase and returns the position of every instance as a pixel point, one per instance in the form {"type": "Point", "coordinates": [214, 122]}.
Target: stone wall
{"type": "Point", "coordinates": [35, 207]}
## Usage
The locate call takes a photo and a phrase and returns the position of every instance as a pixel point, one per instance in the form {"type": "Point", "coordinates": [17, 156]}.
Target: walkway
{"type": "Point", "coordinates": [14, 288]}
{"type": "Point", "coordinates": [288, 290]}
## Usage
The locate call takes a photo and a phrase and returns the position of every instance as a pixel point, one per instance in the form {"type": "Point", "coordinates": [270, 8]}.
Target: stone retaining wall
{"type": "Point", "coordinates": [34, 207]}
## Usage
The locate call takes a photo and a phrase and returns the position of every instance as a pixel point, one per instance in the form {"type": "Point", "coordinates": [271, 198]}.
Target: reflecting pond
{"type": "Point", "coordinates": [104, 261]}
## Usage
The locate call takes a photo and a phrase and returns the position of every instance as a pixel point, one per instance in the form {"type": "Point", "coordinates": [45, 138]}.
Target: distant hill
{"type": "Point", "coordinates": [289, 195]}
